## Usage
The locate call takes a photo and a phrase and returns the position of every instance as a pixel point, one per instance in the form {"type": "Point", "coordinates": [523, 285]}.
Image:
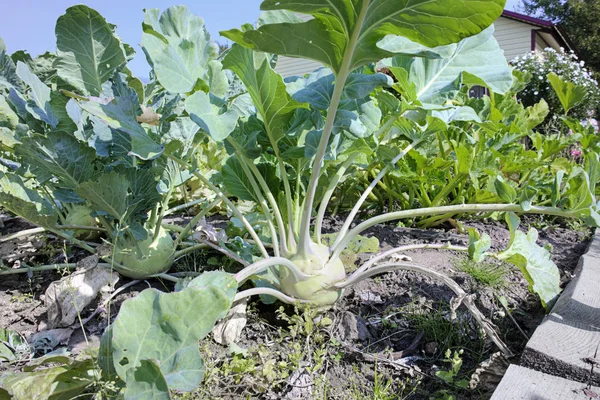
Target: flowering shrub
{"type": "Point", "coordinates": [566, 65]}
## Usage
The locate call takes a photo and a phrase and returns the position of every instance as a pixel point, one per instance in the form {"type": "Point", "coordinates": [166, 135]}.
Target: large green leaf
{"type": "Point", "coordinates": [236, 181]}
{"type": "Point", "coordinates": [345, 33]}
{"type": "Point", "coordinates": [569, 94]}
{"type": "Point", "coordinates": [266, 87]}
{"type": "Point", "coordinates": [534, 261]}
{"type": "Point", "coordinates": [58, 155]}
{"type": "Point", "coordinates": [209, 116]}
{"type": "Point", "coordinates": [26, 202]}
{"type": "Point", "coordinates": [8, 73]}
{"type": "Point", "coordinates": [317, 87]}
{"type": "Point", "coordinates": [180, 50]}
{"type": "Point", "coordinates": [39, 104]}
{"type": "Point", "coordinates": [107, 194]}
{"type": "Point", "coordinates": [120, 113]}
{"type": "Point", "coordinates": [166, 327]}
{"type": "Point", "coordinates": [8, 118]}
{"type": "Point", "coordinates": [62, 382]}
{"type": "Point", "coordinates": [476, 60]}
{"type": "Point", "coordinates": [146, 382]}
{"type": "Point", "coordinates": [88, 49]}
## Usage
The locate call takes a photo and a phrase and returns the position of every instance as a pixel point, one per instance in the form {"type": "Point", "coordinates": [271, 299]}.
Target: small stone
{"type": "Point", "coordinates": [431, 348]}
{"type": "Point", "coordinates": [370, 297]}
{"type": "Point", "coordinates": [352, 328]}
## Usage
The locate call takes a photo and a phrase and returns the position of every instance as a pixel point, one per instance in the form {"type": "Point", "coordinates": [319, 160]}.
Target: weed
{"type": "Point", "coordinates": [438, 327]}
{"type": "Point", "coordinates": [486, 273]}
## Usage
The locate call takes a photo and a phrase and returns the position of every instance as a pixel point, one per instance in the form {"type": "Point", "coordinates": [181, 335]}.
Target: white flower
{"type": "Point", "coordinates": [535, 93]}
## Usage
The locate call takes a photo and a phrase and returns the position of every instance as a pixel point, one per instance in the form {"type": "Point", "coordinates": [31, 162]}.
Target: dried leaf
{"type": "Point", "coordinates": [66, 298]}
{"type": "Point", "coordinates": [228, 330]}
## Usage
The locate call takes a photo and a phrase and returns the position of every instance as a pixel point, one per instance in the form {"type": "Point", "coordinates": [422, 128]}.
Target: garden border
{"type": "Point", "coordinates": [564, 351]}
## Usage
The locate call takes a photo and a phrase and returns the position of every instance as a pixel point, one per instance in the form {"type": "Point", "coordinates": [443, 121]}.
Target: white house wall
{"type": "Point", "coordinates": [514, 37]}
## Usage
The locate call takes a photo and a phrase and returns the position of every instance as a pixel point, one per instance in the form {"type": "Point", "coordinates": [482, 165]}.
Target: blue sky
{"type": "Point", "coordinates": [29, 24]}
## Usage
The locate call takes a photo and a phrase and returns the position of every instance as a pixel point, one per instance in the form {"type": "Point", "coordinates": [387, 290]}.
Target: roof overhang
{"type": "Point", "coordinates": [545, 28]}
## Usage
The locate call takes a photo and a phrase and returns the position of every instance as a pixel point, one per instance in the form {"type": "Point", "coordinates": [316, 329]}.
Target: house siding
{"type": "Point", "coordinates": [514, 37]}
{"type": "Point", "coordinates": [290, 66]}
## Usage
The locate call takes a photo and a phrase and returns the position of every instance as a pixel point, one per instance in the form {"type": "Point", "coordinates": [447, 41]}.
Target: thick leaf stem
{"type": "Point", "coordinates": [161, 214]}
{"type": "Point", "coordinates": [304, 234]}
{"type": "Point", "coordinates": [263, 204]}
{"type": "Point", "coordinates": [262, 265]}
{"type": "Point", "coordinates": [184, 206]}
{"type": "Point", "coordinates": [374, 260]}
{"type": "Point", "coordinates": [340, 81]}
{"type": "Point", "coordinates": [327, 195]}
{"type": "Point", "coordinates": [458, 209]}
{"type": "Point", "coordinates": [268, 194]}
{"type": "Point", "coordinates": [33, 231]}
{"type": "Point", "coordinates": [268, 291]}
{"type": "Point", "coordinates": [231, 206]}
{"type": "Point", "coordinates": [463, 297]}
{"type": "Point", "coordinates": [369, 189]}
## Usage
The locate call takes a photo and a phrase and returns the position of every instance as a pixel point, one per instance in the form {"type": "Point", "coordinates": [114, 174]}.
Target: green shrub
{"type": "Point", "coordinates": [537, 65]}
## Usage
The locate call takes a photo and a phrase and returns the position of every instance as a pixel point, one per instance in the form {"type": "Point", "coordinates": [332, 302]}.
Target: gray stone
{"type": "Point", "coordinates": [352, 328]}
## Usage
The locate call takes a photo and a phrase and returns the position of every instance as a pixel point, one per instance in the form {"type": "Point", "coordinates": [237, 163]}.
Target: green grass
{"type": "Point", "coordinates": [486, 273]}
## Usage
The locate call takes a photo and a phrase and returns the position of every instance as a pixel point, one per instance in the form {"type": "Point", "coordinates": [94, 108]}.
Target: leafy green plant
{"type": "Point", "coordinates": [99, 137]}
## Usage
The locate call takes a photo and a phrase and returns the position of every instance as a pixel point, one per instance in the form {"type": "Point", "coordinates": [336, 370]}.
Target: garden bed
{"type": "Point", "coordinates": [386, 339]}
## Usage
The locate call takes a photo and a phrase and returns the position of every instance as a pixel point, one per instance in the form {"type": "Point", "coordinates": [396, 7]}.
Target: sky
{"type": "Point", "coordinates": [29, 24]}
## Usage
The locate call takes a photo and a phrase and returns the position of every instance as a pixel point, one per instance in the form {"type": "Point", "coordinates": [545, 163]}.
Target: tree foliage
{"type": "Point", "coordinates": [580, 19]}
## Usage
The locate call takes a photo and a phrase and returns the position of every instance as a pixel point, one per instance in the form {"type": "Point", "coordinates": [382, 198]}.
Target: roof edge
{"type": "Point", "coordinates": [527, 19]}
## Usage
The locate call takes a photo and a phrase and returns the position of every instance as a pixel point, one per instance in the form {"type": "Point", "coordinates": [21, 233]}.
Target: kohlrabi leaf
{"type": "Point", "coordinates": [344, 33]}
{"type": "Point", "coordinates": [146, 382]}
{"type": "Point", "coordinates": [26, 202]}
{"type": "Point", "coordinates": [39, 106]}
{"type": "Point", "coordinates": [317, 87]}
{"type": "Point", "coordinates": [166, 327]}
{"type": "Point", "coordinates": [42, 66]}
{"type": "Point", "coordinates": [183, 130]}
{"type": "Point", "coordinates": [179, 48]}
{"type": "Point", "coordinates": [8, 73]}
{"type": "Point", "coordinates": [568, 93]}
{"type": "Point", "coordinates": [534, 261]}
{"type": "Point", "coordinates": [121, 113]}
{"type": "Point", "coordinates": [266, 87]}
{"type": "Point", "coordinates": [107, 194]}
{"type": "Point", "coordinates": [8, 118]}
{"type": "Point", "coordinates": [57, 156]}
{"type": "Point", "coordinates": [88, 50]}
{"type": "Point", "coordinates": [476, 60]}
{"type": "Point", "coordinates": [236, 181]}
{"type": "Point", "coordinates": [359, 118]}
{"type": "Point", "coordinates": [205, 110]}
{"type": "Point", "coordinates": [66, 381]}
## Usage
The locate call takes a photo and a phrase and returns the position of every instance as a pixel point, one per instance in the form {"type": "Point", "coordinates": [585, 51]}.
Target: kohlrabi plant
{"type": "Point", "coordinates": [300, 136]}
{"type": "Point", "coordinates": [83, 143]}
{"type": "Point", "coordinates": [99, 138]}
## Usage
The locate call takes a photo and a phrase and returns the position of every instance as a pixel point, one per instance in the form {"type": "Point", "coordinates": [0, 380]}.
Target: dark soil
{"type": "Point", "coordinates": [385, 339]}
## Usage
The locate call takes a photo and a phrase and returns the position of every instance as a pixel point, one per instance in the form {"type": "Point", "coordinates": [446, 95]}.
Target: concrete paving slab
{"type": "Point", "coordinates": [520, 383]}
{"type": "Point", "coordinates": [568, 339]}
